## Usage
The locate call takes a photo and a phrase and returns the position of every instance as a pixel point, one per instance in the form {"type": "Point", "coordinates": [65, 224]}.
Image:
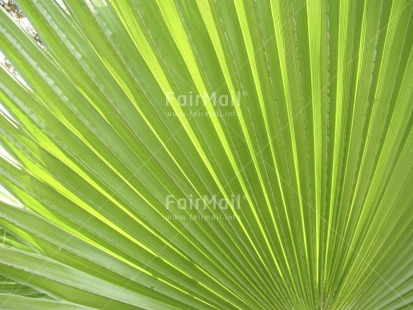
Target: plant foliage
{"type": "Point", "coordinates": [208, 154]}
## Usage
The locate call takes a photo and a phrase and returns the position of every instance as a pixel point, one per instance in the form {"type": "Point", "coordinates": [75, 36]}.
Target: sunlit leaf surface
{"type": "Point", "coordinates": [207, 154]}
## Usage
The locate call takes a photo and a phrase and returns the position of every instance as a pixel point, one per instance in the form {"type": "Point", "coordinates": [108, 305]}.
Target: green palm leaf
{"type": "Point", "coordinates": [239, 154]}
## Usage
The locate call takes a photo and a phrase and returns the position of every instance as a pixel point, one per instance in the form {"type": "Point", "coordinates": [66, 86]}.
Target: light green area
{"type": "Point", "coordinates": [315, 137]}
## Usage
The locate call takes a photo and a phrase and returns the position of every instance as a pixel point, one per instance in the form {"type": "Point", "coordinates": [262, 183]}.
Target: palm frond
{"type": "Point", "coordinates": [207, 154]}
